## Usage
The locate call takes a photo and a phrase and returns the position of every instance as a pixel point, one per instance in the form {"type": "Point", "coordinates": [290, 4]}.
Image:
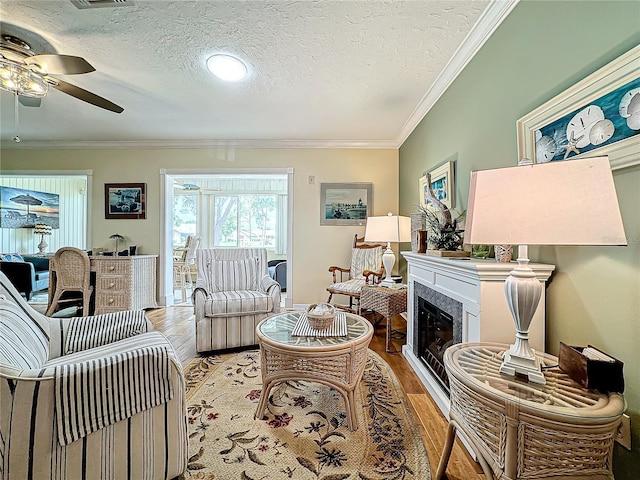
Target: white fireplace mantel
{"type": "Point", "coordinates": [478, 285]}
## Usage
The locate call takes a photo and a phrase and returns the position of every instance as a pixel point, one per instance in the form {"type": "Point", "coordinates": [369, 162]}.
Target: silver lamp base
{"type": "Point", "coordinates": [42, 246]}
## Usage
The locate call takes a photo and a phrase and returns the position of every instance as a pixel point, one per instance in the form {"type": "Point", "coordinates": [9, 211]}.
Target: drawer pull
{"type": "Point", "coordinates": [112, 268]}
{"type": "Point", "coordinates": [111, 285]}
{"type": "Point", "coordinates": [111, 300]}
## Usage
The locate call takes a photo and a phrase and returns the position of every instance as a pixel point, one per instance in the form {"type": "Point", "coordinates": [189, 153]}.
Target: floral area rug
{"type": "Point", "coordinates": [304, 433]}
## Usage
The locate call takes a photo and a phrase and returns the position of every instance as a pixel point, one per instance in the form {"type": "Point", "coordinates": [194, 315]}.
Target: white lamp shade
{"type": "Point", "coordinates": [388, 228]}
{"type": "Point", "coordinates": [570, 202]}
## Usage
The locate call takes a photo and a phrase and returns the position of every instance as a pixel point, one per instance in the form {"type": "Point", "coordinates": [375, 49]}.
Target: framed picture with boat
{"type": "Point", "coordinates": [125, 200]}
{"type": "Point", "coordinates": [345, 203]}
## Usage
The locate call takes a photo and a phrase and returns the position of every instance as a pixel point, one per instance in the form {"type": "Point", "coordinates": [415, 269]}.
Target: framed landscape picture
{"type": "Point", "coordinates": [21, 208]}
{"type": "Point", "coordinates": [598, 116]}
{"type": "Point", "coordinates": [125, 200]}
{"type": "Point", "coordinates": [345, 203]}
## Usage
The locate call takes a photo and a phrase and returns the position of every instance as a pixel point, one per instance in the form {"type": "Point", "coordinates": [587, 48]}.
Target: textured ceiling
{"type": "Point", "coordinates": [327, 73]}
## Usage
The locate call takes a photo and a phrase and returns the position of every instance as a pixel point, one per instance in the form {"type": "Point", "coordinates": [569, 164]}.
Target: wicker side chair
{"type": "Point", "coordinates": [365, 269]}
{"type": "Point", "coordinates": [183, 263]}
{"type": "Point", "coordinates": [69, 284]}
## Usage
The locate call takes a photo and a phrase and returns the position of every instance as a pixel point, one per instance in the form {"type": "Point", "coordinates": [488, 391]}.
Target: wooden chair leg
{"type": "Point", "coordinates": [85, 304]}
{"type": "Point", "coordinates": [446, 451]}
{"type": "Point", "coordinates": [54, 303]}
{"type": "Point", "coordinates": [183, 284]}
{"type": "Point", "coordinates": [189, 278]}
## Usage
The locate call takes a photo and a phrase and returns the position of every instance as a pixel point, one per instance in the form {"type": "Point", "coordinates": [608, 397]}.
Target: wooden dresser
{"type": "Point", "coordinates": [124, 283]}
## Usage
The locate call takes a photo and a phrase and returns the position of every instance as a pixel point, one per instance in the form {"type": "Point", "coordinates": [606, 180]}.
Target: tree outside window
{"type": "Point", "coordinates": [185, 213]}
{"type": "Point", "coordinates": [244, 221]}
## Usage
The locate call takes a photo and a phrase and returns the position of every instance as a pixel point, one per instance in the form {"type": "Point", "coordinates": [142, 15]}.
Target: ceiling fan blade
{"type": "Point", "coordinates": [29, 101]}
{"type": "Point", "coordinates": [60, 64]}
{"type": "Point", "coordinates": [86, 96]}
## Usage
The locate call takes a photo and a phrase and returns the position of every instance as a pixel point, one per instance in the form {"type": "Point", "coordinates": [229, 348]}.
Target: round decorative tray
{"type": "Point", "coordinates": [321, 315]}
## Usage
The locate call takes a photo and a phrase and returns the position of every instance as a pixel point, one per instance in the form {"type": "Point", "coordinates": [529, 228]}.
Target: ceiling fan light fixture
{"type": "Point", "coordinates": [227, 67]}
{"type": "Point", "coordinates": [21, 80]}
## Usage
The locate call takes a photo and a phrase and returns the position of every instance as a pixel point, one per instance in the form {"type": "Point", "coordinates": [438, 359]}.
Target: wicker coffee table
{"type": "Point", "coordinates": [337, 362]}
{"type": "Point", "coordinates": [521, 430]}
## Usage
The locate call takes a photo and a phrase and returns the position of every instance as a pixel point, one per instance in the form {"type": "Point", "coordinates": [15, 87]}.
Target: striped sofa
{"type": "Point", "coordinates": [233, 293]}
{"type": "Point", "coordinates": [87, 397]}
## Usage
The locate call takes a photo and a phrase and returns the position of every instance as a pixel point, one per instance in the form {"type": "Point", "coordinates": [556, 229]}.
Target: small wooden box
{"type": "Point", "coordinates": [448, 253]}
{"type": "Point", "coordinates": [593, 374]}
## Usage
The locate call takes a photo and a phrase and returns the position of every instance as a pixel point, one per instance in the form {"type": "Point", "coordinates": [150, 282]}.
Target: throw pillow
{"type": "Point", "coordinates": [235, 274]}
{"type": "Point", "coordinates": [12, 257]}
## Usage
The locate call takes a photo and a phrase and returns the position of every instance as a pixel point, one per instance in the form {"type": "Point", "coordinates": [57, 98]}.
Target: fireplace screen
{"type": "Point", "coordinates": [435, 335]}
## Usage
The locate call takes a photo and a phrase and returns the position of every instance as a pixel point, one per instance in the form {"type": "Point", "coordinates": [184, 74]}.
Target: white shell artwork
{"type": "Point", "coordinates": [546, 148]}
{"type": "Point", "coordinates": [580, 125]}
{"type": "Point", "coordinates": [632, 108]}
{"type": "Point", "coordinates": [601, 132]}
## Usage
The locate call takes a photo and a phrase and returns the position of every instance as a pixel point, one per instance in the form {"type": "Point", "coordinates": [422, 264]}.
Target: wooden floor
{"type": "Point", "coordinates": [177, 324]}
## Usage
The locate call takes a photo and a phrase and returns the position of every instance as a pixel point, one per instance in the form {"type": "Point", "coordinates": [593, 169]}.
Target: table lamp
{"type": "Point", "coordinates": [388, 228]}
{"type": "Point", "coordinates": [42, 229]}
{"type": "Point", "coordinates": [569, 202]}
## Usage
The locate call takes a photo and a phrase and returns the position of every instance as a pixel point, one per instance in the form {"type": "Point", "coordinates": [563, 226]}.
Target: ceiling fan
{"type": "Point", "coordinates": [29, 75]}
{"type": "Point", "coordinates": [185, 186]}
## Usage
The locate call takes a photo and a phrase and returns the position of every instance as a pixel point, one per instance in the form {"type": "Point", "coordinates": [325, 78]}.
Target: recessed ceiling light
{"type": "Point", "coordinates": [226, 67]}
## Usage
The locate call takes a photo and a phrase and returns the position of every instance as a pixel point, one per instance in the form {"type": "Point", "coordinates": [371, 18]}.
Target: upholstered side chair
{"type": "Point", "coordinates": [233, 293]}
{"type": "Point", "coordinates": [365, 268]}
{"type": "Point", "coordinates": [87, 397]}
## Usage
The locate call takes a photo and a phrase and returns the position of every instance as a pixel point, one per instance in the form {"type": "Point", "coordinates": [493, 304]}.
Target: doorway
{"type": "Point", "coordinates": [226, 208]}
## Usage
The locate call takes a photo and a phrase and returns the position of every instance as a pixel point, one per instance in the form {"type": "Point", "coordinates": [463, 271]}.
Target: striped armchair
{"type": "Point", "coordinates": [97, 397]}
{"type": "Point", "coordinates": [233, 293]}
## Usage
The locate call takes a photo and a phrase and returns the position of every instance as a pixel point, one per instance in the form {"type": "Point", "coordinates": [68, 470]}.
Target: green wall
{"type": "Point", "coordinates": [540, 50]}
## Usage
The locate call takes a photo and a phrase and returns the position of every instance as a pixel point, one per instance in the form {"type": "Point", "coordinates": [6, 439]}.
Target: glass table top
{"type": "Point", "coordinates": [278, 328]}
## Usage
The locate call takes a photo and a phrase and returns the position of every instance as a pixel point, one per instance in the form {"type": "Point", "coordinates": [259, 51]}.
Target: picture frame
{"type": "Point", "coordinates": [125, 201]}
{"type": "Point", "coordinates": [22, 208]}
{"type": "Point", "coordinates": [345, 203]}
{"type": "Point", "coordinates": [442, 184]}
{"type": "Point", "coordinates": [595, 117]}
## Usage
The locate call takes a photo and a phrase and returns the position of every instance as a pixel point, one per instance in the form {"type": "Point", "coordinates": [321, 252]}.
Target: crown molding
{"type": "Point", "coordinates": [198, 144]}
{"type": "Point", "coordinates": [489, 21]}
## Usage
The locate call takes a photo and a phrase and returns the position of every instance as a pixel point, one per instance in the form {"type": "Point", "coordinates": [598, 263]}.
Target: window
{"type": "Point", "coordinates": [231, 211]}
{"type": "Point", "coordinates": [185, 214]}
{"type": "Point", "coordinates": [245, 221]}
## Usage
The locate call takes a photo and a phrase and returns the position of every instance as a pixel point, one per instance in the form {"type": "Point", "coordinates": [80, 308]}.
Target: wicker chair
{"type": "Point", "coordinates": [183, 263]}
{"type": "Point", "coordinates": [87, 397]}
{"type": "Point", "coordinates": [70, 280]}
{"type": "Point", "coordinates": [366, 269]}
